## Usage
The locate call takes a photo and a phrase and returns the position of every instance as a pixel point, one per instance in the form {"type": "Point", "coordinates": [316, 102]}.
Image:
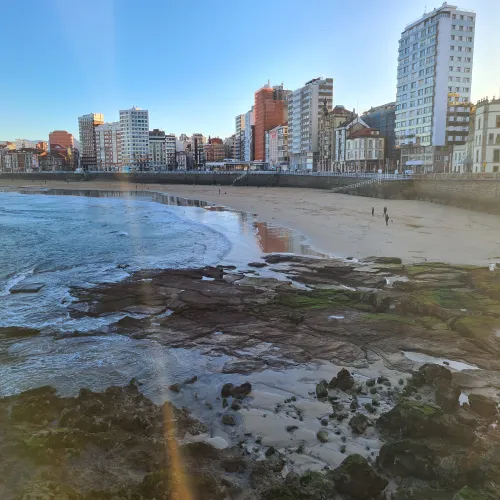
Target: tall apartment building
{"type": "Point", "coordinates": [86, 126]}
{"type": "Point", "coordinates": [170, 149]}
{"type": "Point", "coordinates": [229, 146]}
{"type": "Point", "coordinates": [248, 142]}
{"type": "Point", "coordinates": [434, 81]}
{"type": "Point", "coordinates": [269, 112]}
{"type": "Point", "coordinates": [304, 110]}
{"type": "Point", "coordinates": [383, 118]}
{"type": "Point", "coordinates": [239, 144]}
{"type": "Point", "coordinates": [108, 146]}
{"type": "Point", "coordinates": [61, 137]}
{"type": "Point", "coordinates": [157, 150]}
{"type": "Point", "coordinates": [134, 125]}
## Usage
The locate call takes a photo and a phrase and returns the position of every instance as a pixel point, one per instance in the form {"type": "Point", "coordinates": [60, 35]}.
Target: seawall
{"type": "Point", "coordinates": [473, 192]}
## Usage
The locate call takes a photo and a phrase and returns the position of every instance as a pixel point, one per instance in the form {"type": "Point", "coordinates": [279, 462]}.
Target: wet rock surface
{"type": "Point", "coordinates": [360, 315]}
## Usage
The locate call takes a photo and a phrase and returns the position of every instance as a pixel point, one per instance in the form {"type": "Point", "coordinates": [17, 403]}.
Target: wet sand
{"type": "Point", "coordinates": [342, 225]}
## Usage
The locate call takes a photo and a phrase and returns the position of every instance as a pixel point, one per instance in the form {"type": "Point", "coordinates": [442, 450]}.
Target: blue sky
{"type": "Point", "coordinates": [196, 65]}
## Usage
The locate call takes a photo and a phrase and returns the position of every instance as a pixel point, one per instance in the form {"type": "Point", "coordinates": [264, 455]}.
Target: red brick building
{"type": "Point", "coordinates": [62, 138]}
{"type": "Point", "coordinates": [214, 149]}
{"type": "Point", "coordinates": [270, 111]}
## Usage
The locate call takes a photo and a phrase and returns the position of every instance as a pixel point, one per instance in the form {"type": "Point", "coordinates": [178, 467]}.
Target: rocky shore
{"type": "Point", "coordinates": [387, 425]}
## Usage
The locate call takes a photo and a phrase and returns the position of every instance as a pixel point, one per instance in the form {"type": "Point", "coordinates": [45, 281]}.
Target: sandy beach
{"type": "Point", "coordinates": [342, 225]}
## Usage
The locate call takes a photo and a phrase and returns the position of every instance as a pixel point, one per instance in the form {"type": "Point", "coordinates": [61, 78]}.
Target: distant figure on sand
{"type": "Point", "coordinates": [373, 211]}
{"type": "Point", "coordinates": [385, 211]}
{"type": "Point", "coordinates": [386, 219]}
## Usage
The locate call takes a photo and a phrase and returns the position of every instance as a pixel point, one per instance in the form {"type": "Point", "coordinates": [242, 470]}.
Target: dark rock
{"type": "Point", "coordinates": [241, 391]}
{"type": "Point", "coordinates": [233, 464]}
{"type": "Point", "coordinates": [17, 331]}
{"type": "Point", "coordinates": [333, 383]}
{"type": "Point", "coordinates": [466, 418]}
{"type": "Point", "coordinates": [292, 480]}
{"type": "Point", "coordinates": [483, 405]}
{"type": "Point", "coordinates": [270, 451]}
{"type": "Point", "coordinates": [370, 382]}
{"type": "Point", "coordinates": [344, 380]}
{"type": "Point", "coordinates": [191, 380]}
{"type": "Point", "coordinates": [122, 266]}
{"type": "Point", "coordinates": [228, 419]}
{"type": "Point", "coordinates": [26, 288]}
{"type": "Point", "coordinates": [224, 403]}
{"type": "Point", "coordinates": [322, 389]}
{"type": "Point", "coordinates": [291, 428]}
{"type": "Point", "coordinates": [128, 322]}
{"type": "Point", "coordinates": [257, 264]}
{"type": "Point", "coordinates": [322, 436]}
{"type": "Point", "coordinates": [430, 373]}
{"type": "Point", "coordinates": [235, 405]}
{"type": "Point", "coordinates": [408, 458]}
{"type": "Point", "coordinates": [421, 420]}
{"type": "Point", "coordinates": [226, 390]}
{"type": "Point", "coordinates": [324, 422]}
{"type": "Point", "coordinates": [447, 395]}
{"type": "Point", "coordinates": [175, 387]}
{"type": "Point", "coordinates": [359, 423]}
{"type": "Point", "coordinates": [355, 477]}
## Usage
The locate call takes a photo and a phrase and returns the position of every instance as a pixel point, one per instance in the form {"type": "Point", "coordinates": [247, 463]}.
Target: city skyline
{"type": "Point", "coordinates": [210, 94]}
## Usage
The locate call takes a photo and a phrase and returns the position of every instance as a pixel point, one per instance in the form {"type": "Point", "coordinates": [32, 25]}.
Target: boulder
{"type": "Point", "coordinates": [242, 390]}
{"type": "Point", "coordinates": [430, 373]}
{"type": "Point", "coordinates": [191, 380]}
{"type": "Point", "coordinates": [359, 423]}
{"type": "Point", "coordinates": [356, 478]}
{"type": "Point", "coordinates": [408, 458]}
{"type": "Point", "coordinates": [175, 387]}
{"type": "Point", "coordinates": [416, 419]}
{"type": "Point", "coordinates": [322, 436]}
{"type": "Point", "coordinates": [345, 381]}
{"type": "Point", "coordinates": [333, 383]}
{"type": "Point", "coordinates": [228, 419]}
{"type": "Point", "coordinates": [226, 390]}
{"type": "Point", "coordinates": [447, 395]}
{"type": "Point", "coordinates": [466, 418]}
{"type": "Point", "coordinates": [483, 405]}
{"type": "Point", "coordinates": [322, 389]}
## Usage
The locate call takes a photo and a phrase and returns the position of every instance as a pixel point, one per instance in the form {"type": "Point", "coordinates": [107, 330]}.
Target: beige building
{"type": "Point", "coordinates": [328, 122]}
{"type": "Point", "coordinates": [365, 151]}
{"type": "Point", "coordinates": [486, 152]}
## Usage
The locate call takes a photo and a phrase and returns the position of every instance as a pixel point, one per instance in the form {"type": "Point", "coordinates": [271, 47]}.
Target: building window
{"type": "Point", "coordinates": [496, 155]}
{"type": "Point", "coordinates": [477, 158]}
{"type": "Point", "coordinates": [490, 138]}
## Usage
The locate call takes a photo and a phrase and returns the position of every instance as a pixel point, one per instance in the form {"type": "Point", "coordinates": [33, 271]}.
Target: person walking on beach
{"type": "Point", "coordinates": [385, 211]}
{"type": "Point", "coordinates": [386, 219]}
{"type": "Point", "coordinates": [373, 211]}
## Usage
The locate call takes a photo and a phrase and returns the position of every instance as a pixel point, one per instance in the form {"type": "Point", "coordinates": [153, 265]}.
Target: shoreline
{"type": "Point", "coordinates": [341, 225]}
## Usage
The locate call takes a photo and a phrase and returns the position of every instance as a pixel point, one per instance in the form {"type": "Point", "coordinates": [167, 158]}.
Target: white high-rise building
{"type": "Point", "coordinates": [305, 107]}
{"type": "Point", "coordinates": [134, 124]}
{"type": "Point", "coordinates": [248, 154]}
{"type": "Point", "coordinates": [108, 146]}
{"type": "Point", "coordinates": [239, 140]}
{"type": "Point", "coordinates": [434, 83]}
